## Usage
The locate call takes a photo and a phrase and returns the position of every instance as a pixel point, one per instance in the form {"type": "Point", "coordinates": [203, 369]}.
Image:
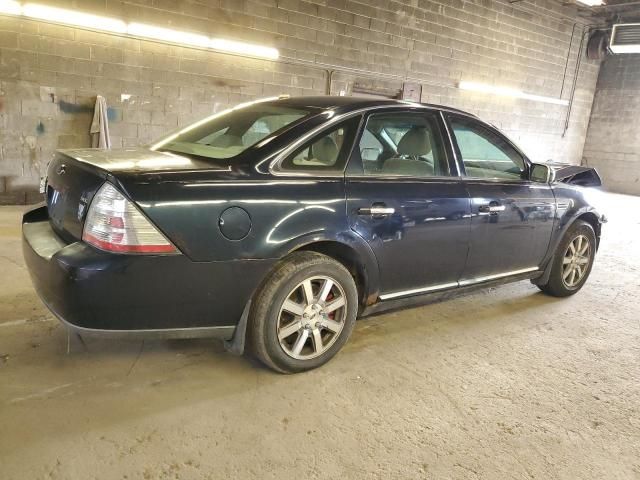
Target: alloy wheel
{"type": "Point", "coordinates": [576, 261]}
{"type": "Point", "coordinates": [312, 317]}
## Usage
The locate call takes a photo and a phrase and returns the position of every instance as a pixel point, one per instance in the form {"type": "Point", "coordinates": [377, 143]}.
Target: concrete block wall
{"type": "Point", "coordinates": [50, 74]}
{"type": "Point", "coordinates": [613, 141]}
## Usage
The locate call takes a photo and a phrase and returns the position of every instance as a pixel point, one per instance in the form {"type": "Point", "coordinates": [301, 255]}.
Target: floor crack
{"type": "Point", "coordinates": [136, 359]}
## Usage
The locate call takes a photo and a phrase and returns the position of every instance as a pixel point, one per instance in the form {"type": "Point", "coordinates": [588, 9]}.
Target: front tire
{"type": "Point", "coordinates": [303, 314]}
{"type": "Point", "coordinates": [572, 261]}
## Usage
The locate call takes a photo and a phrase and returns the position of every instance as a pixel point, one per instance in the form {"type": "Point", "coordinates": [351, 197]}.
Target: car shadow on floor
{"type": "Point", "coordinates": [495, 305]}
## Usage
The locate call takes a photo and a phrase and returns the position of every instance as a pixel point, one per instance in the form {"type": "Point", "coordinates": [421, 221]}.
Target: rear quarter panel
{"type": "Point", "coordinates": [282, 211]}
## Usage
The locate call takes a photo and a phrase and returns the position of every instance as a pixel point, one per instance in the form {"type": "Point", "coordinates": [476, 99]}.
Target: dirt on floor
{"type": "Point", "coordinates": [503, 383]}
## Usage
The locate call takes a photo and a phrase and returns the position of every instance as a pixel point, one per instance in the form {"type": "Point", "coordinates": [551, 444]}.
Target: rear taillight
{"type": "Point", "coordinates": [115, 224]}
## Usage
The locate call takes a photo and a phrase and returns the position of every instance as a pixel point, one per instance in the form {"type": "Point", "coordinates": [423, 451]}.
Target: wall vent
{"type": "Point", "coordinates": [625, 38]}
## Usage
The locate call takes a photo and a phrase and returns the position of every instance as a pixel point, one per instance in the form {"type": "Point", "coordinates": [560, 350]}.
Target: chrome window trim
{"type": "Point", "coordinates": [451, 144]}
{"type": "Point", "coordinates": [409, 178]}
{"type": "Point", "coordinates": [275, 167]}
{"type": "Point", "coordinates": [404, 293]}
{"type": "Point", "coordinates": [461, 283]}
{"type": "Point", "coordinates": [485, 278]}
{"type": "Point", "coordinates": [388, 176]}
{"type": "Point", "coordinates": [497, 180]}
{"type": "Point", "coordinates": [494, 130]}
{"type": "Point", "coordinates": [275, 164]}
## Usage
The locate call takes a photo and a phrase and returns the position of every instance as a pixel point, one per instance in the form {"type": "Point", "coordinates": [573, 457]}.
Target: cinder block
{"type": "Point", "coordinates": [87, 67]}
{"type": "Point", "coordinates": [121, 72]}
{"type": "Point", "coordinates": [56, 31]}
{"type": "Point", "coordinates": [162, 118]}
{"type": "Point", "coordinates": [8, 39]}
{"type": "Point", "coordinates": [134, 116]}
{"type": "Point", "coordinates": [55, 63]}
{"type": "Point", "coordinates": [107, 54]}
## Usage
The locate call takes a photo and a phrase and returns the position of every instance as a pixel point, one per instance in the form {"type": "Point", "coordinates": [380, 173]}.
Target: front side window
{"type": "Point", "coordinates": [327, 151]}
{"type": "Point", "coordinates": [228, 134]}
{"type": "Point", "coordinates": [403, 144]}
{"type": "Point", "coordinates": [486, 154]}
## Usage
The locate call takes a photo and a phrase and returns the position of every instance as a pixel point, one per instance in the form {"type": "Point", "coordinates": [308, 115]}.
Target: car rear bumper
{"type": "Point", "coordinates": [141, 295]}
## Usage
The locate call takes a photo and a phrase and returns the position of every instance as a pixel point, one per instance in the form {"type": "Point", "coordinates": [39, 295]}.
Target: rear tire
{"type": "Point", "coordinates": [303, 314]}
{"type": "Point", "coordinates": [572, 261]}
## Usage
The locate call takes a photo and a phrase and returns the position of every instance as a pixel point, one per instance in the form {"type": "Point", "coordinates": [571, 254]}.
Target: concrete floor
{"type": "Point", "coordinates": [505, 383]}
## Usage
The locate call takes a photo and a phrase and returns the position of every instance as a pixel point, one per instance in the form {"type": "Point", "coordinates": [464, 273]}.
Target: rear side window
{"type": "Point", "coordinates": [403, 144]}
{"type": "Point", "coordinates": [486, 154]}
{"type": "Point", "coordinates": [327, 151]}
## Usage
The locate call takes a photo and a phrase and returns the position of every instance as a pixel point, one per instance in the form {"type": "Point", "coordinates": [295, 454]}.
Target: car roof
{"type": "Point", "coordinates": [347, 104]}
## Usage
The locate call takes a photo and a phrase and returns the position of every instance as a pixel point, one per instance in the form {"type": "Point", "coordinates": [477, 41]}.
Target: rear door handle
{"type": "Point", "coordinates": [491, 208]}
{"type": "Point", "coordinates": [376, 211]}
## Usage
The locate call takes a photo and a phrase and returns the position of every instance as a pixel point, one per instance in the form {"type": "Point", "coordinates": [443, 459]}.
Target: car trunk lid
{"type": "Point", "coordinates": [70, 187]}
{"type": "Point", "coordinates": [74, 176]}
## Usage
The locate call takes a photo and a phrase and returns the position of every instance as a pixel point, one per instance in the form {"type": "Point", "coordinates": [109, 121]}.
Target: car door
{"type": "Point", "coordinates": [511, 216]}
{"type": "Point", "coordinates": [403, 199]}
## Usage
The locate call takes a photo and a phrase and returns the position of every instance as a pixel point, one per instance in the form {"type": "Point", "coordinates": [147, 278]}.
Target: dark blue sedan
{"type": "Point", "coordinates": [276, 223]}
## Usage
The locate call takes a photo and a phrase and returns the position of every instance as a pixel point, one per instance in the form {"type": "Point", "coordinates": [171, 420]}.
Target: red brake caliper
{"type": "Point", "coordinates": [331, 315]}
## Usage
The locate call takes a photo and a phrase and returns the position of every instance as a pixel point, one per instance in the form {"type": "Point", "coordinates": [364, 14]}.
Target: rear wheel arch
{"type": "Point", "coordinates": [355, 255]}
{"type": "Point", "coordinates": [348, 257]}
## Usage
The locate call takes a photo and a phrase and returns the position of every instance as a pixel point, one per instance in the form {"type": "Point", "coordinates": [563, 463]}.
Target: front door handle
{"type": "Point", "coordinates": [377, 211]}
{"type": "Point", "coordinates": [491, 208]}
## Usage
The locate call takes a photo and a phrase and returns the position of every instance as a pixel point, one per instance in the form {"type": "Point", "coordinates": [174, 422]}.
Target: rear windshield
{"type": "Point", "coordinates": [229, 133]}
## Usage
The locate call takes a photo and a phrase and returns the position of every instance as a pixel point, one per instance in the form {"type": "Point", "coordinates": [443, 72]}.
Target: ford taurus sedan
{"type": "Point", "coordinates": [276, 223]}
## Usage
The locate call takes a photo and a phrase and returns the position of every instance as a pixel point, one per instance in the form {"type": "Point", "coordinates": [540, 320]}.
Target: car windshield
{"type": "Point", "coordinates": [229, 133]}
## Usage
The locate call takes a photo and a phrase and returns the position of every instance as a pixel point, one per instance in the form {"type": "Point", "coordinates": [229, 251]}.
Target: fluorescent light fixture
{"type": "Point", "coordinates": [509, 92]}
{"type": "Point", "coordinates": [242, 48]}
{"type": "Point", "coordinates": [201, 41]}
{"type": "Point", "coordinates": [591, 3]}
{"type": "Point", "coordinates": [10, 7]}
{"type": "Point", "coordinates": [139, 30]}
{"type": "Point", "coordinates": [71, 17]}
{"type": "Point", "coordinates": [168, 35]}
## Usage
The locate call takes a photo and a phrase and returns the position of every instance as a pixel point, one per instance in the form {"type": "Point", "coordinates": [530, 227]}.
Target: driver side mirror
{"type": "Point", "coordinates": [541, 173]}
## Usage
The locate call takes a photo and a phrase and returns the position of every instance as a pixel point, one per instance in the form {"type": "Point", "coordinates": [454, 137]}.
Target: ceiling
{"type": "Point", "coordinates": [615, 11]}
